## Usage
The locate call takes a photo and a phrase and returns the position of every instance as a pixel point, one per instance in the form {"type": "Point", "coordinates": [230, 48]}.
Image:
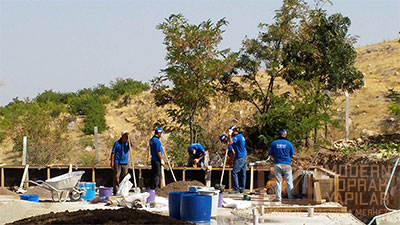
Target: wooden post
{"type": "Point", "coordinates": [24, 176]}
{"type": "Point", "coordinates": [70, 168]}
{"type": "Point", "coordinates": [2, 177]}
{"type": "Point", "coordinates": [93, 175]}
{"type": "Point", "coordinates": [310, 186]}
{"type": "Point", "coordinates": [96, 144]}
{"type": "Point", "coordinates": [317, 192]}
{"type": "Point", "coordinates": [251, 179]}
{"type": "Point", "coordinates": [24, 149]}
{"type": "Point", "coordinates": [183, 175]}
{"type": "Point", "coordinates": [346, 94]}
{"type": "Point", "coordinates": [48, 172]}
{"type": "Point", "coordinates": [162, 183]}
{"type": "Point", "coordinates": [336, 187]}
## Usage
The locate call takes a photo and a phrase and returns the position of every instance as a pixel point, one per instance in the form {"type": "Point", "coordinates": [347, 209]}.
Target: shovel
{"type": "Point", "coordinates": [221, 186]}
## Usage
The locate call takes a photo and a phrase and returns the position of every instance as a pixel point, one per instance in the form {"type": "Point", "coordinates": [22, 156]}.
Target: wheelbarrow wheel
{"type": "Point", "coordinates": [75, 195]}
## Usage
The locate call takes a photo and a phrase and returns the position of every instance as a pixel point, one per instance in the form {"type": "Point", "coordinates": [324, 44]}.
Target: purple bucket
{"type": "Point", "coordinates": [220, 199]}
{"type": "Point", "coordinates": [105, 191]}
{"type": "Point", "coordinates": [152, 196]}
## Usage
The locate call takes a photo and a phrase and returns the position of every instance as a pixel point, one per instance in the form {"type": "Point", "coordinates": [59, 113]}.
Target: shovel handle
{"type": "Point", "coordinates": [132, 164]}
{"type": "Point", "coordinates": [223, 167]}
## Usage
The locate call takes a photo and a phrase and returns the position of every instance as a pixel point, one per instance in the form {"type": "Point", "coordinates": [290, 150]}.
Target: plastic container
{"type": "Point", "coordinates": [31, 198]}
{"type": "Point", "coordinates": [174, 203]}
{"type": "Point", "coordinates": [220, 199]}
{"type": "Point", "coordinates": [152, 196]}
{"type": "Point", "coordinates": [215, 199]}
{"type": "Point", "coordinates": [196, 208]}
{"type": "Point", "coordinates": [90, 190]}
{"type": "Point", "coordinates": [105, 191]}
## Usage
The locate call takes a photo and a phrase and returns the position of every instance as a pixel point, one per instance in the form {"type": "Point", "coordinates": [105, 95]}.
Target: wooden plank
{"type": "Point", "coordinates": [317, 192]}
{"type": "Point", "coordinates": [336, 187]}
{"type": "Point", "coordinates": [24, 175]}
{"type": "Point", "coordinates": [304, 209]}
{"type": "Point", "coordinates": [162, 177]}
{"type": "Point", "coordinates": [183, 175]}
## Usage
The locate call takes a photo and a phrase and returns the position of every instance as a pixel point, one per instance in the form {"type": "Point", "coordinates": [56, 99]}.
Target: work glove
{"type": "Point", "coordinates": [230, 132]}
{"type": "Point", "coordinates": [162, 163]}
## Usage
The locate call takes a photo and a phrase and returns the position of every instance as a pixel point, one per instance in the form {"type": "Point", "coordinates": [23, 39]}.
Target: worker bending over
{"type": "Point", "coordinates": [197, 155]}
{"type": "Point", "coordinates": [282, 151]}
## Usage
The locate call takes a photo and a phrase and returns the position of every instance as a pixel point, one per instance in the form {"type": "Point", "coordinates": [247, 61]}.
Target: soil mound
{"type": "Point", "coordinates": [177, 186]}
{"type": "Point", "coordinates": [5, 191]}
{"type": "Point", "coordinates": [36, 190]}
{"type": "Point", "coordinates": [101, 216]}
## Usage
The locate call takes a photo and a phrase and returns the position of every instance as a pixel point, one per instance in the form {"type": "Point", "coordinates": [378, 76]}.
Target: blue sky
{"type": "Point", "coordinates": [66, 45]}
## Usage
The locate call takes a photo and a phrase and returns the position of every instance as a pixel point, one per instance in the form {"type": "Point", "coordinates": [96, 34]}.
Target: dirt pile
{"type": "Point", "coordinates": [5, 191]}
{"type": "Point", "coordinates": [101, 216]}
{"type": "Point", "coordinates": [177, 186]}
{"type": "Point", "coordinates": [36, 190]}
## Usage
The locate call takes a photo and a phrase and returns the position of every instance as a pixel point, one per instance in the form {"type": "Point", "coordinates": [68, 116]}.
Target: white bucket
{"type": "Point", "coordinates": [214, 204]}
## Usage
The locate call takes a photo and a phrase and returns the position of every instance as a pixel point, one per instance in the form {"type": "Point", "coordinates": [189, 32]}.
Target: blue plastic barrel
{"type": "Point", "coordinates": [196, 208]}
{"type": "Point", "coordinates": [174, 203]}
{"type": "Point", "coordinates": [90, 190]}
{"type": "Point", "coordinates": [31, 198]}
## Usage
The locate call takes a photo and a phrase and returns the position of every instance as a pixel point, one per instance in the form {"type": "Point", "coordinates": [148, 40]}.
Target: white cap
{"type": "Point", "coordinates": [124, 132]}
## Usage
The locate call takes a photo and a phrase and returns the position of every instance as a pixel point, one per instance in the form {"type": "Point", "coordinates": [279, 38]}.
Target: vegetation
{"type": "Point", "coordinates": [394, 105]}
{"type": "Point", "coordinates": [309, 50]}
{"type": "Point", "coordinates": [193, 65]}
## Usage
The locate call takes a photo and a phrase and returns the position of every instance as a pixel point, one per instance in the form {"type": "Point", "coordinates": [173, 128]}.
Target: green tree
{"type": "Point", "coordinates": [309, 50]}
{"type": "Point", "coordinates": [194, 64]}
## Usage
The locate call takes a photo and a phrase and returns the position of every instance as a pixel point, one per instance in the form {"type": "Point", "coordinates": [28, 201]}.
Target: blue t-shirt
{"type": "Point", "coordinates": [239, 145]}
{"type": "Point", "coordinates": [121, 152]}
{"type": "Point", "coordinates": [155, 146]}
{"type": "Point", "coordinates": [199, 149]}
{"type": "Point", "coordinates": [282, 150]}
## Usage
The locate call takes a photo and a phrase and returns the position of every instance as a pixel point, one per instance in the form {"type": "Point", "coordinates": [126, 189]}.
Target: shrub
{"type": "Point", "coordinates": [94, 118]}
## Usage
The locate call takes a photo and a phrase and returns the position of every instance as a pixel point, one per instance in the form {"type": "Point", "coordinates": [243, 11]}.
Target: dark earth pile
{"type": "Point", "coordinates": [177, 186]}
{"type": "Point", "coordinates": [101, 216]}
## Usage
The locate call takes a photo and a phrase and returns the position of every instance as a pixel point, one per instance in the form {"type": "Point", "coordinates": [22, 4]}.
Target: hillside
{"type": "Point", "coordinates": [380, 64]}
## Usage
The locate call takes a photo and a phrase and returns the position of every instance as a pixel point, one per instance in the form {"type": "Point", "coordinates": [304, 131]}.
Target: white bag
{"type": "Point", "coordinates": [125, 186]}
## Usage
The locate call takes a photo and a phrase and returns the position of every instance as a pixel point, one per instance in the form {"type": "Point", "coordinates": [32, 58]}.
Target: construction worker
{"type": "Point", "coordinates": [197, 155]}
{"type": "Point", "coordinates": [119, 159]}
{"type": "Point", "coordinates": [156, 151]}
{"type": "Point", "coordinates": [282, 151]}
{"type": "Point", "coordinates": [238, 143]}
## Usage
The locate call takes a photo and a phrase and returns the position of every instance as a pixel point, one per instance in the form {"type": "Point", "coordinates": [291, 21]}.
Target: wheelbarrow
{"type": "Point", "coordinates": [63, 185]}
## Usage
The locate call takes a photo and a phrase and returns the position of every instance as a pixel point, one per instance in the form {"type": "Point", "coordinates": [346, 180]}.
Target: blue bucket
{"type": "Point", "coordinates": [196, 208]}
{"type": "Point", "coordinates": [31, 198]}
{"type": "Point", "coordinates": [174, 203]}
{"type": "Point", "coordinates": [90, 190]}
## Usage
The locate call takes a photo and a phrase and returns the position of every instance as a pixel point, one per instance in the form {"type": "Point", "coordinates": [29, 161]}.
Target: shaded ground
{"type": "Point", "coordinates": [5, 191]}
{"type": "Point", "coordinates": [177, 186]}
{"type": "Point", "coordinates": [101, 216]}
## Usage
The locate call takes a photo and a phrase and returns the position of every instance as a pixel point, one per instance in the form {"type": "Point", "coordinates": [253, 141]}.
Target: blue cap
{"type": "Point", "coordinates": [222, 137]}
{"type": "Point", "coordinates": [159, 130]}
{"type": "Point", "coordinates": [282, 132]}
{"type": "Point", "coordinates": [232, 127]}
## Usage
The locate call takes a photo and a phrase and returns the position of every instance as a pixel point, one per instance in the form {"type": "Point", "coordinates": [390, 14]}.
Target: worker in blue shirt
{"type": "Point", "coordinates": [119, 159]}
{"type": "Point", "coordinates": [238, 143]}
{"type": "Point", "coordinates": [282, 152]}
{"type": "Point", "coordinates": [197, 155]}
{"type": "Point", "coordinates": [156, 151]}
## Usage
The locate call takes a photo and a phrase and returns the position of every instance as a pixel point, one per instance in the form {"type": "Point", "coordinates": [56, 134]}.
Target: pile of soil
{"type": "Point", "coordinates": [5, 191]}
{"type": "Point", "coordinates": [36, 190]}
{"type": "Point", "coordinates": [177, 186]}
{"type": "Point", "coordinates": [101, 216]}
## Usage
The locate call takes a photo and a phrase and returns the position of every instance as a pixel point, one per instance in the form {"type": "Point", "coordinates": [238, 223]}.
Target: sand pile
{"type": "Point", "coordinates": [36, 190]}
{"type": "Point", "coordinates": [101, 216]}
{"type": "Point", "coordinates": [5, 191]}
{"type": "Point", "coordinates": [177, 186]}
